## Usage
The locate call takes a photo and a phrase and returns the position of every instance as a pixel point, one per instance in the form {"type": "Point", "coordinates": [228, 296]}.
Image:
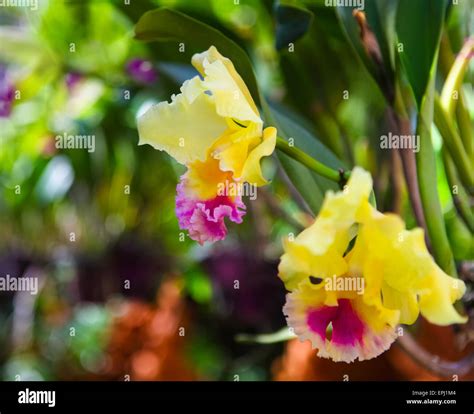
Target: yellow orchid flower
{"type": "Point", "coordinates": [400, 278]}
{"type": "Point", "coordinates": [214, 128]}
{"type": "Point", "coordinates": [410, 279]}
{"type": "Point", "coordinates": [319, 249]}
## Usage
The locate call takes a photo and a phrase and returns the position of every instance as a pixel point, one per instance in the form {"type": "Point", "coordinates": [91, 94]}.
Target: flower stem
{"type": "Point", "coordinates": [426, 167]}
{"type": "Point", "coordinates": [282, 335]}
{"type": "Point", "coordinates": [460, 197]}
{"type": "Point", "coordinates": [454, 145]}
{"type": "Point", "coordinates": [338, 176]}
{"type": "Point", "coordinates": [455, 77]}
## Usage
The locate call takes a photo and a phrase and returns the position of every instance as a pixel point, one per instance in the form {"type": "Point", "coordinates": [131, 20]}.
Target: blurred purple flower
{"type": "Point", "coordinates": [142, 71]}
{"type": "Point", "coordinates": [257, 302]}
{"type": "Point", "coordinates": [72, 79]}
{"type": "Point", "coordinates": [130, 266]}
{"type": "Point", "coordinates": [7, 94]}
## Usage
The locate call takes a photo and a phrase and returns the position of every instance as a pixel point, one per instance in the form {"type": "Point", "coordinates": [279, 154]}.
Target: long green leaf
{"type": "Point", "coordinates": [292, 22]}
{"type": "Point", "coordinates": [419, 25]}
{"type": "Point", "coordinates": [454, 145]}
{"type": "Point", "coordinates": [283, 335]}
{"type": "Point", "coordinates": [170, 25]}
{"type": "Point", "coordinates": [426, 165]}
{"type": "Point", "coordinates": [380, 15]}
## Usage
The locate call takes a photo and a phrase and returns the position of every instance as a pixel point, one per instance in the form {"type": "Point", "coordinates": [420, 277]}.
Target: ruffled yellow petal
{"type": "Point", "coordinates": [438, 292]}
{"type": "Point", "coordinates": [186, 128]}
{"type": "Point", "coordinates": [232, 148]}
{"type": "Point", "coordinates": [397, 261]}
{"type": "Point", "coordinates": [322, 245]}
{"type": "Point", "coordinates": [252, 171]}
{"type": "Point", "coordinates": [298, 264]}
{"type": "Point", "coordinates": [377, 316]}
{"type": "Point", "coordinates": [205, 179]}
{"type": "Point", "coordinates": [233, 98]}
{"type": "Point", "coordinates": [404, 253]}
{"type": "Point", "coordinates": [240, 150]}
{"type": "Point", "coordinates": [338, 213]}
{"type": "Point", "coordinates": [373, 266]}
{"type": "Point", "coordinates": [406, 303]}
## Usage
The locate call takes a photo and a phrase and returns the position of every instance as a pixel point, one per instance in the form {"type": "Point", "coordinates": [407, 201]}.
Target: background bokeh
{"type": "Point", "coordinates": [124, 294]}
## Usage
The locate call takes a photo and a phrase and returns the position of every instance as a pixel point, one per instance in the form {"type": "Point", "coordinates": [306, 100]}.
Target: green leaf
{"type": "Point", "coordinates": [198, 285]}
{"type": "Point", "coordinates": [283, 335]}
{"type": "Point", "coordinates": [426, 166]}
{"type": "Point", "coordinates": [170, 25]}
{"type": "Point", "coordinates": [351, 29]}
{"type": "Point", "coordinates": [292, 22]}
{"type": "Point", "coordinates": [453, 143]}
{"type": "Point", "coordinates": [419, 25]}
{"type": "Point", "coordinates": [20, 47]}
{"type": "Point", "coordinates": [461, 199]}
{"type": "Point", "coordinates": [455, 77]}
{"type": "Point", "coordinates": [380, 15]}
{"type": "Point", "coordinates": [460, 237]}
{"type": "Point", "coordinates": [310, 185]}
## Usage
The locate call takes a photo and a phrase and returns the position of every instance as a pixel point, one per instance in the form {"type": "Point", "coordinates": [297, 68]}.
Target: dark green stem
{"type": "Point", "coordinates": [339, 176]}
{"type": "Point", "coordinates": [454, 145]}
{"type": "Point", "coordinates": [460, 198]}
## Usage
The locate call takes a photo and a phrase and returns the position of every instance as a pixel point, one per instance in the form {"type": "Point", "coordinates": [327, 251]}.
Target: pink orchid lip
{"type": "Point", "coordinates": [347, 327]}
{"type": "Point", "coordinates": [339, 332]}
{"type": "Point", "coordinates": [205, 219]}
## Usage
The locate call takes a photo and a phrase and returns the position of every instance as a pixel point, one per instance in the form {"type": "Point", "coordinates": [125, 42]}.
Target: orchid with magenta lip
{"type": "Point", "coordinates": [214, 128]}
{"type": "Point", "coordinates": [401, 279]}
